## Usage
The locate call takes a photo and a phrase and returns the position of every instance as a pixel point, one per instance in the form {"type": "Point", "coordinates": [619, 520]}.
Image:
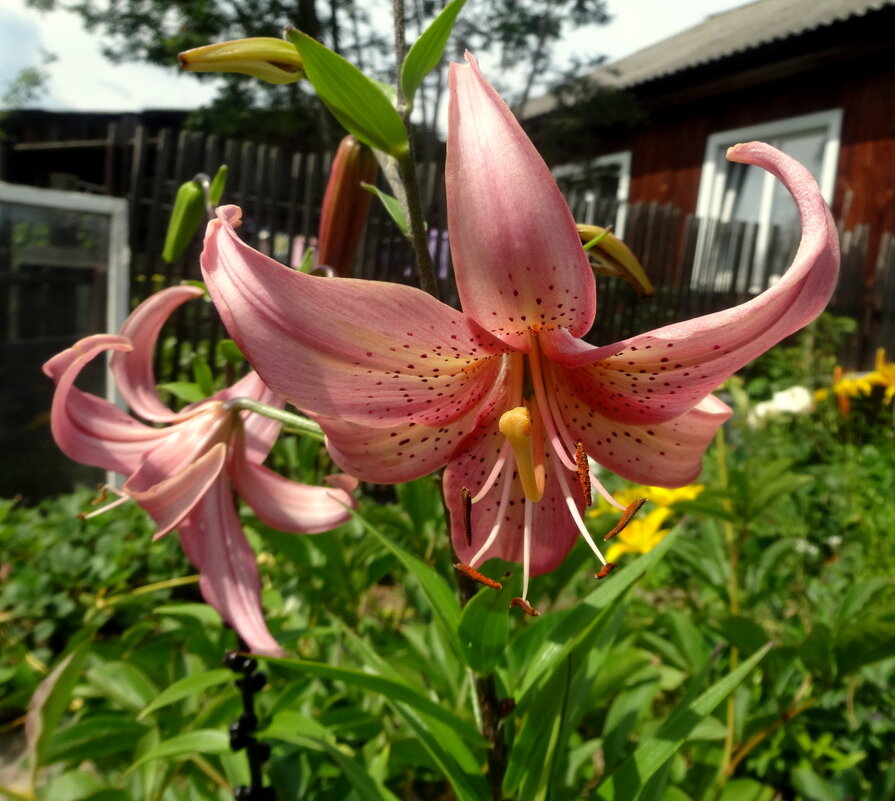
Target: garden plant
{"type": "Point", "coordinates": [401, 550]}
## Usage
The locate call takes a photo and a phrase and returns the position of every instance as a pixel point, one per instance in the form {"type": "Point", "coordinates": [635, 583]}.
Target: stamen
{"type": "Point", "coordinates": [546, 401]}
{"type": "Point", "coordinates": [121, 499]}
{"type": "Point", "coordinates": [495, 472]}
{"type": "Point", "coordinates": [474, 574]}
{"type": "Point", "coordinates": [627, 517]}
{"type": "Point", "coordinates": [526, 548]}
{"type": "Point", "coordinates": [516, 426]}
{"type": "Point", "coordinates": [501, 511]}
{"type": "Point", "coordinates": [466, 500]}
{"type": "Point", "coordinates": [605, 570]}
{"type": "Point", "coordinates": [583, 473]}
{"type": "Point", "coordinates": [576, 516]}
{"type": "Point", "coordinates": [525, 606]}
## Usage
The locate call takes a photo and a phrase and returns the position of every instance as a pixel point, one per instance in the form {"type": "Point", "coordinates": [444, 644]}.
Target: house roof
{"type": "Point", "coordinates": [720, 36]}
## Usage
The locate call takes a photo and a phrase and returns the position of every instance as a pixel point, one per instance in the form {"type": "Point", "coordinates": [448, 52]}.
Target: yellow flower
{"type": "Point", "coordinates": [641, 535]}
{"type": "Point", "coordinates": [884, 375]}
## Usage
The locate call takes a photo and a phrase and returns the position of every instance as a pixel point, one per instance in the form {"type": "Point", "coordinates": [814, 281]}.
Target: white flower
{"type": "Point", "coordinates": [795, 400]}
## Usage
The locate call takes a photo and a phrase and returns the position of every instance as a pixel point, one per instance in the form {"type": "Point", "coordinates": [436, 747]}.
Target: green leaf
{"type": "Point", "coordinates": [816, 652]}
{"type": "Point", "coordinates": [293, 727]}
{"type": "Point", "coordinates": [202, 375]}
{"type": "Point", "coordinates": [865, 642]}
{"type": "Point", "coordinates": [366, 787]}
{"type": "Point", "coordinates": [188, 744]}
{"type": "Point", "coordinates": [392, 690]}
{"type": "Point", "coordinates": [392, 206]}
{"type": "Point", "coordinates": [49, 701]}
{"type": "Point", "coordinates": [94, 737]}
{"type": "Point", "coordinates": [627, 782]}
{"type": "Point", "coordinates": [747, 790]}
{"type": "Point", "coordinates": [859, 598]}
{"type": "Point", "coordinates": [743, 633]}
{"type": "Point", "coordinates": [812, 787]}
{"type": "Point", "coordinates": [358, 103]}
{"type": "Point", "coordinates": [579, 623]}
{"type": "Point", "coordinates": [216, 190]}
{"type": "Point", "coordinates": [229, 351]}
{"type": "Point", "coordinates": [444, 604]}
{"type": "Point", "coordinates": [123, 683]}
{"type": "Point", "coordinates": [184, 390]}
{"type": "Point", "coordinates": [484, 628]}
{"type": "Point", "coordinates": [427, 50]}
{"type": "Point", "coordinates": [187, 686]}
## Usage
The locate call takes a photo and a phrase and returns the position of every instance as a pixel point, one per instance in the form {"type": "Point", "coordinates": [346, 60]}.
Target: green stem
{"type": "Point", "coordinates": [733, 597]}
{"type": "Point", "coordinates": [407, 170]}
{"type": "Point", "coordinates": [294, 422]}
{"type": "Point", "coordinates": [489, 708]}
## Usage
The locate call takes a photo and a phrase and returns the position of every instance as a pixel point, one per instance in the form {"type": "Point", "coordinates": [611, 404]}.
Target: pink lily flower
{"type": "Point", "coordinates": [505, 393]}
{"type": "Point", "coordinates": [184, 470]}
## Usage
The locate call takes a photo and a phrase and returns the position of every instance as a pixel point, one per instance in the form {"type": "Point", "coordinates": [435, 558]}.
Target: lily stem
{"type": "Point", "coordinates": [407, 169]}
{"type": "Point", "coordinates": [295, 422]}
{"type": "Point", "coordinates": [489, 708]}
{"type": "Point", "coordinates": [733, 600]}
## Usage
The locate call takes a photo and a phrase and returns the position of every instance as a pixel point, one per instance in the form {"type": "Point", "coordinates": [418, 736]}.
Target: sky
{"type": "Point", "coordinates": [82, 80]}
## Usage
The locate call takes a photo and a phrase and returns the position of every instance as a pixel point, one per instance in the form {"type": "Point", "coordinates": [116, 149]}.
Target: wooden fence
{"type": "Point", "coordinates": [280, 194]}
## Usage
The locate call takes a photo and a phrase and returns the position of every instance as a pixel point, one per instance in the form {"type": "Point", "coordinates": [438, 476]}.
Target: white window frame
{"type": "Point", "coordinates": [714, 204]}
{"type": "Point", "coordinates": [117, 274]}
{"type": "Point", "coordinates": [622, 160]}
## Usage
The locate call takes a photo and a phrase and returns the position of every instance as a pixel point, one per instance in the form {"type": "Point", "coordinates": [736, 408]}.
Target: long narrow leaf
{"type": "Point", "coordinates": [187, 686]}
{"type": "Point", "coordinates": [627, 782]}
{"type": "Point", "coordinates": [426, 51]}
{"type": "Point", "coordinates": [445, 606]}
{"type": "Point", "coordinates": [391, 689]}
{"type": "Point", "coordinates": [358, 103]}
{"type": "Point", "coordinates": [578, 624]}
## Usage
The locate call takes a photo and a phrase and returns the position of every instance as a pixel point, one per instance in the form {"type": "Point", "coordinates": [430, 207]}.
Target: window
{"type": "Point", "coordinates": [749, 226]}
{"type": "Point", "coordinates": [63, 275]}
{"type": "Point", "coordinates": [597, 191]}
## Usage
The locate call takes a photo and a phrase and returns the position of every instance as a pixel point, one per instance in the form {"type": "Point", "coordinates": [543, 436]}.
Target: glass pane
{"type": "Point", "coordinates": [53, 275]}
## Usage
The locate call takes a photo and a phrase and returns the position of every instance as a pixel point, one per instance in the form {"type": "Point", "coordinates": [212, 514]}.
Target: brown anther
{"type": "Point", "coordinates": [505, 706]}
{"type": "Point", "coordinates": [583, 473]}
{"type": "Point", "coordinates": [525, 606]}
{"type": "Point", "coordinates": [627, 517]}
{"type": "Point", "coordinates": [605, 570]}
{"type": "Point", "coordinates": [474, 574]}
{"type": "Point", "coordinates": [103, 491]}
{"type": "Point", "coordinates": [466, 500]}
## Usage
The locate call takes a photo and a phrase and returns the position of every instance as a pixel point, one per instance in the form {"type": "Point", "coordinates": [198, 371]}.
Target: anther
{"type": "Point", "coordinates": [466, 500]}
{"type": "Point", "coordinates": [605, 570]}
{"type": "Point", "coordinates": [525, 606]}
{"type": "Point", "coordinates": [583, 473]}
{"type": "Point", "coordinates": [474, 574]}
{"type": "Point", "coordinates": [103, 491]}
{"type": "Point", "coordinates": [627, 517]}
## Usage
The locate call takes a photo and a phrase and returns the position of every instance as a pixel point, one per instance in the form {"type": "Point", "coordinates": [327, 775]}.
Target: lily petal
{"type": "Point", "coordinates": [664, 373]}
{"type": "Point", "coordinates": [228, 575]}
{"type": "Point", "coordinates": [133, 371]}
{"type": "Point", "coordinates": [89, 429]}
{"type": "Point", "coordinates": [171, 500]}
{"type": "Point", "coordinates": [287, 505]}
{"type": "Point", "coordinates": [184, 444]}
{"type": "Point", "coordinates": [517, 254]}
{"type": "Point", "coordinates": [364, 351]}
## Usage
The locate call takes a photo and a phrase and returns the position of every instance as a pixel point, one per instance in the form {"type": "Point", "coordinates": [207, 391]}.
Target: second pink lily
{"type": "Point", "coordinates": [505, 393]}
{"type": "Point", "coordinates": [183, 474]}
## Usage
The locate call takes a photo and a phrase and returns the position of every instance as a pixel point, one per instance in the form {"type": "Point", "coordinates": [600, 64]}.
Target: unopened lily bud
{"type": "Point", "coordinates": [271, 60]}
{"type": "Point", "coordinates": [610, 256]}
{"type": "Point", "coordinates": [345, 205]}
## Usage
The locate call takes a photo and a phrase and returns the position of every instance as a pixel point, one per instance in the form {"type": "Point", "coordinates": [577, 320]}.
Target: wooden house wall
{"type": "Point", "coordinates": [667, 154]}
